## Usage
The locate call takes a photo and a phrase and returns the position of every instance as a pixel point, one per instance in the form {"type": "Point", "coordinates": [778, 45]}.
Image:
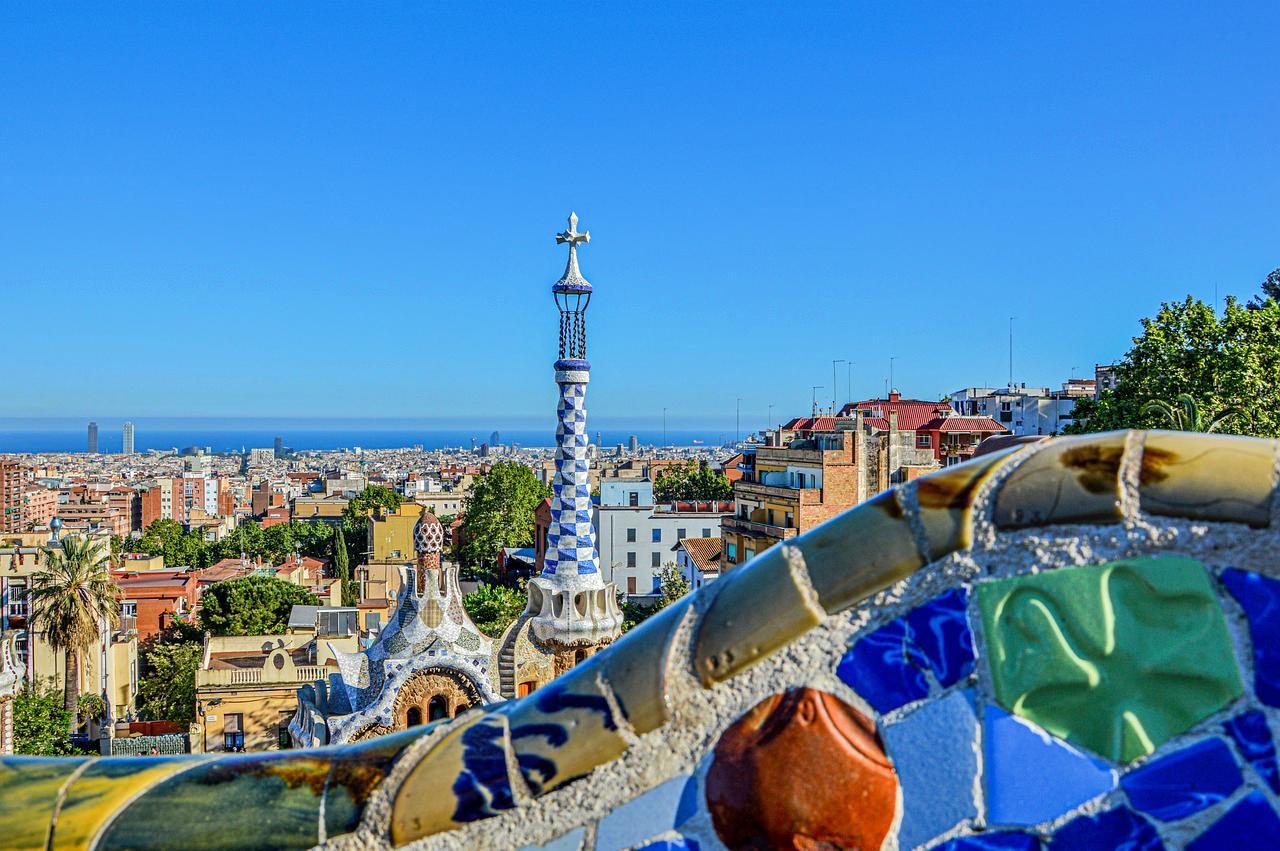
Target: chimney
{"type": "Point", "coordinates": [894, 396]}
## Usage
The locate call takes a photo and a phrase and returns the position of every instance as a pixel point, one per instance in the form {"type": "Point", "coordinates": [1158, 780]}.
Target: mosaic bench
{"type": "Point", "coordinates": [1070, 645]}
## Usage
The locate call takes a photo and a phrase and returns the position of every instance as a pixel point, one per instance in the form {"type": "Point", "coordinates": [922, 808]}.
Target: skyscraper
{"type": "Point", "coordinates": [93, 438]}
{"type": "Point", "coordinates": [279, 446]}
{"type": "Point", "coordinates": [634, 443]}
{"type": "Point", "coordinates": [575, 607]}
{"type": "Point", "coordinates": [128, 439]}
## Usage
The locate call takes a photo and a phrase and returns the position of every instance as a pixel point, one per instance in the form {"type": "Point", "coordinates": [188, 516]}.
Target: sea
{"type": "Point", "coordinates": [19, 435]}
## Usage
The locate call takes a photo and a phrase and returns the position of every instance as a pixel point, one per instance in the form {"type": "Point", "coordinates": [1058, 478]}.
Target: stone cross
{"type": "Point", "coordinates": [572, 236]}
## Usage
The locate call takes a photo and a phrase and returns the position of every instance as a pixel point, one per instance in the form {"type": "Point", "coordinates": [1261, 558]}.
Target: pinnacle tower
{"type": "Point", "coordinates": [574, 606]}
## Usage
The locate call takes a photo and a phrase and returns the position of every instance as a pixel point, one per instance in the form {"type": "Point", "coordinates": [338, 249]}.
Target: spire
{"type": "Point", "coordinates": [572, 280]}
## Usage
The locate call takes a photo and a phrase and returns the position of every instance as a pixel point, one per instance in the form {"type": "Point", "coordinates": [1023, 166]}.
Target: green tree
{"type": "Point", "coordinates": [251, 605]}
{"type": "Point", "coordinates": [1186, 415]}
{"type": "Point", "coordinates": [1223, 363]}
{"type": "Point", "coordinates": [499, 512]}
{"type": "Point", "coordinates": [40, 721]}
{"type": "Point", "coordinates": [1270, 290]}
{"type": "Point", "coordinates": [70, 597]}
{"type": "Point", "coordinates": [167, 690]}
{"type": "Point", "coordinates": [374, 496]}
{"type": "Point", "coordinates": [493, 608]}
{"type": "Point", "coordinates": [671, 584]}
{"type": "Point", "coordinates": [342, 569]}
{"type": "Point", "coordinates": [692, 482]}
{"type": "Point", "coordinates": [179, 547]}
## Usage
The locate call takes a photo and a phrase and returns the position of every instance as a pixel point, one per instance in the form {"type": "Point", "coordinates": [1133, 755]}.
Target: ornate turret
{"type": "Point", "coordinates": [571, 604]}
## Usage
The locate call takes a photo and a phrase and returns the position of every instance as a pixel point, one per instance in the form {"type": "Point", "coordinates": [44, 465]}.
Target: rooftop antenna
{"type": "Point", "coordinates": [892, 386]}
{"type": "Point", "coordinates": [1011, 318]}
{"type": "Point", "coordinates": [835, 385]}
{"type": "Point", "coordinates": [816, 388]}
{"type": "Point", "coordinates": [737, 422]}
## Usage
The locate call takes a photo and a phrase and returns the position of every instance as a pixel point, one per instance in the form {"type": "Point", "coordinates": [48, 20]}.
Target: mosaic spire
{"type": "Point", "coordinates": [572, 566]}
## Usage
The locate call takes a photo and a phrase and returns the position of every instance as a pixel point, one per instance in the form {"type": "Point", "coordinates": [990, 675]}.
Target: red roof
{"type": "Point", "coordinates": [912, 413]}
{"type": "Point", "coordinates": [964, 424]}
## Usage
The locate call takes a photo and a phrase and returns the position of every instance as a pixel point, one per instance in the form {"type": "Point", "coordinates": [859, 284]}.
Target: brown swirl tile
{"type": "Point", "coordinates": [946, 502]}
{"type": "Point", "coordinates": [803, 769]}
{"type": "Point", "coordinates": [860, 552]}
{"type": "Point", "coordinates": [1069, 480]}
{"type": "Point", "coordinates": [756, 610]}
{"type": "Point", "coordinates": [1208, 477]}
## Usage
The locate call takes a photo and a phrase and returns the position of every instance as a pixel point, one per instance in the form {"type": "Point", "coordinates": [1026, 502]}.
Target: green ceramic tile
{"type": "Point", "coordinates": [244, 802]}
{"type": "Point", "coordinates": [1117, 658]}
{"type": "Point", "coordinates": [357, 770]}
{"type": "Point", "coordinates": [31, 788]}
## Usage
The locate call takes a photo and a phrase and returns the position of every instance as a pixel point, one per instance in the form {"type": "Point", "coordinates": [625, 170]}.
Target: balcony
{"type": "Point", "coordinates": [757, 529]}
{"type": "Point", "coordinates": [694, 508]}
{"type": "Point", "coordinates": [18, 610]}
{"type": "Point", "coordinates": [128, 625]}
{"type": "Point", "coordinates": [256, 676]}
{"type": "Point", "coordinates": [808, 496]}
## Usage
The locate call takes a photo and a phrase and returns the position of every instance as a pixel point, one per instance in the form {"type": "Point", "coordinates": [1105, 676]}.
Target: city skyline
{"type": "Point", "coordinates": [858, 184]}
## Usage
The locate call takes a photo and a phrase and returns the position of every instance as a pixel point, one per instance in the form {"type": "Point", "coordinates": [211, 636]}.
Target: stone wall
{"type": "Point", "coordinates": [1072, 645]}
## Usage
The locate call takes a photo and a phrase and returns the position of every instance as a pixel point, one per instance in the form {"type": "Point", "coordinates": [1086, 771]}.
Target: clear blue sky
{"type": "Point", "coordinates": [348, 209]}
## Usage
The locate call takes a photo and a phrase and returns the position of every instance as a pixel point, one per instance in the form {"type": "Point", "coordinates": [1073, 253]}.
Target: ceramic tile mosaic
{"type": "Point", "coordinates": [1119, 829]}
{"type": "Point", "coordinates": [800, 768]}
{"type": "Point", "coordinates": [1251, 823]}
{"type": "Point", "coordinates": [934, 755]}
{"type": "Point", "coordinates": [889, 667]}
{"type": "Point", "coordinates": [1031, 776]}
{"type": "Point", "coordinates": [1252, 736]}
{"type": "Point", "coordinates": [1184, 782]}
{"type": "Point", "coordinates": [1004, 840]}
{"type": "Point", "coordinates": [683, 843]}
{"type": "Point", "coordinates": [1260, 599]}
{"type": "Point", "coordinates": [644, 816]}
{"type": "Point", "coordinates": [1116, 658]}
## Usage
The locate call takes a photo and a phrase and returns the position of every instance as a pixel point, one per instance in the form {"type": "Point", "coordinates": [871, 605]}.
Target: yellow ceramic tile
{"type": "Point", "coordinates": [106, 786]}
{"type": "Point", "coordinates": [860, 552]}
{"type": "Point", "coordinates": [1069, 480]}
{"type": "Point", "coordinates": [636, 668]}
{"type": "Point", "coordinates": [30, 787]}
{"type": "Point", "coordinates": [756, 609]}
{"type": "Point", "coordinates": [946, 502]}
{"type": "Point", "coordinates": [564, 730]}
{"type": "Point", "coordinates": [462, 779]}
{"type": "Point", "coordinates": [1208, 477]}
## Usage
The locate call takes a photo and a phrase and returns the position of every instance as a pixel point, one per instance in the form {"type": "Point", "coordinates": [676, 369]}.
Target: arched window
{"type": "Point", "coordinates": [459, 709]}
{"type": "Point", "coordinates": [438, 708]}
{"type": "Point", "coordinates": [413, 717]}
{"type": "Point", "coordinates": [579, 656]}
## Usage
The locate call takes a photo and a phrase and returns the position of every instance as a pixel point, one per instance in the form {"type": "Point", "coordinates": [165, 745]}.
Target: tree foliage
{"type": "Point", "coordinates": [494, 607]}
{"type": "Point", "coordinates": [692, 482]}
{"type": "Point", "coordinates": [179, 547]}
{"type": "Point", "coordinates": [40, 721]}
{"type": "Point", "coordinates": [251, 605]}
{"type": "Point", "coordinates": [70, 597]}
{"type": "Point", "coordinates": [1270, 290]}
{"type": "Point", "coordinates": [342, 569]}
{"type": "Point", "coordinates": [1222, 363]}
{"type": "Point", "coordinates": [672, 585]}
{"type": "Point", "coordinates": [273, 544]}
{"type": "Point", "coordinates": [167, 687]}
{"type": "Point", "coordinates": [499, 512]}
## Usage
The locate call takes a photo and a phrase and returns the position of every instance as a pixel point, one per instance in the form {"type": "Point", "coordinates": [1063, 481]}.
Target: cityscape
{"type": "Point", "coordinates": [730, 561]}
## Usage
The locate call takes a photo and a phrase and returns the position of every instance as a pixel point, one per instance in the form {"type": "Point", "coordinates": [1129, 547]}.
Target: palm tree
{"type": "Point", "coordinates": [1189, 416]}
{"type": "Point", "coordinates": [69, 599]}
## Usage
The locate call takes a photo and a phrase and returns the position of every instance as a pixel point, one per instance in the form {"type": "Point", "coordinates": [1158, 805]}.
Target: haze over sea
{"type": "Point", "coordinates": [231, 434]}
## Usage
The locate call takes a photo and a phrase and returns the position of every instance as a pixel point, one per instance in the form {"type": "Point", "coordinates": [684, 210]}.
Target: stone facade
{"type": "Point", "coordinates": [10, 682]}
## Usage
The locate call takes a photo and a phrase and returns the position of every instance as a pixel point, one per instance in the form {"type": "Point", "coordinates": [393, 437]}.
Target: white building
{"type": "Point", "coordinates": [636, 538]}
{"type": "Point", "coordinates": [1024, 410]}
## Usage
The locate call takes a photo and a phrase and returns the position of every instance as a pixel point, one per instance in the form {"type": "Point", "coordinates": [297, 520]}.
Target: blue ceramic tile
{"type": "Point", "coordinates": [1031, 776]}
{"type": "Point", "coordinates": [646, 815]}
{"type": "Point", "coordinates": [1115, 829]}
{"type": "Point", "coordinates": [1260, 599]}
{"type": "Point", "coordinates": [1252, 736]}
{"type": "Point", "coordinates": [1249, 824]}
{"type": "Point", "coordinates": [683, 843]}
{"type": "Point", "coordinates": [940, 629]}
{"type": "Point", "coordinates": [934, 756]}
{"type": "Point", "coordinates": [690, 801]}
{"type": "Point", "coordinates": [887, 667]}
{"type": "Point", "coordinates": [1005, 840]}
{"type": "Point", "coordinates": [884, 669]}
{"type": "Point", "coordinates": [1184, 782]}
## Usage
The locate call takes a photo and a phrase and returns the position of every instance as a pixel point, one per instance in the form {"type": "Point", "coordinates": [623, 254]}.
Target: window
{"type": "Point", "coordinates": [631, 536]}
{"type": "Point", "coordinates": [771, 521]}
{"type": "Point", "coordinates": [656, 560]}
{"type": "Point", "coordinates": [128, 610]}
{"type": "Point", "coordinates": [633, 498]}
{"type": "Point", "coordinates": [438, 708]}
{"type": "Point", "coordinates": [748, 554]}
{"type": "Point", "coordinates": [924, 441]}
{"type": "Point", "coordinates": [744, 512]}
{"type": "Point", "coordinates": [233, 732]}
{"type": "Point", "coordinates": [657, 536]}
{"type": "Point", "coordinates": [681, 534]}
{"type": "Point", "coordinates": [733, 553]}
{"type": "Point", "coordinates": [631, 559]}
{"type": "Point", "coordinates": [631, 585]}
{"type": "Point", "coordinates": [20, 645]}
{"type": "Point", "coordinates": [706, 533]}
{"type": "Point", "coordinates": [413, 718]}
{"type": "Point", "coordinates": [790, 520]}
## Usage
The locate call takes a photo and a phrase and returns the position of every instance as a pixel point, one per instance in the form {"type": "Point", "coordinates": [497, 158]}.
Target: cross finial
{"type": "Point", "coordinates": [572, 236]}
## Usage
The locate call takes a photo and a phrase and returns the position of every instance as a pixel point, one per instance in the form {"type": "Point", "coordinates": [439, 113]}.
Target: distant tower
{"type": "Point", "coordinates": [93, 438]}
{"type": "Point", "coordinates": [279, 447]}
{"type": "Point", "coordinates": [495, 439]}
{"type": "Point", "coordinates": [572, 605]}
{"type": "Point", "coordinates": [634, 443]}
{"type": "Point", "coordinates": [128, 439]}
